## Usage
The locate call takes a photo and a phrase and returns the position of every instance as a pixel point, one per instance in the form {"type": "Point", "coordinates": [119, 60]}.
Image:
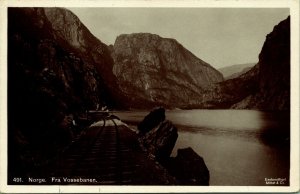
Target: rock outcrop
{"type": "Point", "coordinates": [187, 167]}
{"type": "Point", "coordinates": [56, 70]}
{"type": "Point", "coordinates": [160, 71]}
{"type": "Point", "coordinates": [157, 136]}
{"type": "Point", "coordinates": [152, 120]}
{"type": "Point", "coordinates": [160, 140]}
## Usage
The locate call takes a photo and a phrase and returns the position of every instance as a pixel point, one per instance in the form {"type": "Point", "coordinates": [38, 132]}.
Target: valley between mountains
{"type": "Point", "coordinates": [58, 71]}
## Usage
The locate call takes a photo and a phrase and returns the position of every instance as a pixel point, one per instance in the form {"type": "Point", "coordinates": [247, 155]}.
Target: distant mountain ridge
{"type": "Point", "coordinates": [234, 71]}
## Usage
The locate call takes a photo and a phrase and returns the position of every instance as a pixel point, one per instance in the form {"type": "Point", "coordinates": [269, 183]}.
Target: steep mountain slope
{"type": "Point", "coordinates": [227, 93]}
{"type": "Point", "coordinates": [267, 85]}
{"type": "Point", "coordinates": [274, 72]}
{"type": "Point", "coordinates": [234, 71]}
{"type": "Point", "coordinates": [56, 70]}
{"type": "Point", "coordinates": [154, 70]}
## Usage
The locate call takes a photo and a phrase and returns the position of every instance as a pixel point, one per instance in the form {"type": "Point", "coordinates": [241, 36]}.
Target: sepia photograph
{"type": "Point", "coordinates": [151, 96]}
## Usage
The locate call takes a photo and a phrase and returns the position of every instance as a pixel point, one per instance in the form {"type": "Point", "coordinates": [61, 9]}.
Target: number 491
{"type": "Point", "coordinates": [17, 180]}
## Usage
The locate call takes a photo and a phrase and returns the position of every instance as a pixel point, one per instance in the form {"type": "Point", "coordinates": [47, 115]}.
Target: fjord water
{"type": "Point", "coordinates": [239, 147]}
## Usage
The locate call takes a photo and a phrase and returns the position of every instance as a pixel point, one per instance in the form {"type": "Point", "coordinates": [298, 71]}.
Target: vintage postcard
{"type": "Point", "coordinates": [149, 96]}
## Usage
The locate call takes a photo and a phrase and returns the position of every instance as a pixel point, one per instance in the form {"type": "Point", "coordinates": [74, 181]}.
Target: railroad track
{"type": "Point", "coordinates": [103, 153]}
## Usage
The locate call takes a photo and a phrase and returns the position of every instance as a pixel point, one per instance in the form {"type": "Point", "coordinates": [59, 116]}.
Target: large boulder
{"type": "Point", "coordinates": [158, 137]}
{"type": "Point", "coordinates": [152, 120]}
{"type": "Point", "coordinates": [160, 141]}
{"type": "Point", "coordinates": [189, 168]}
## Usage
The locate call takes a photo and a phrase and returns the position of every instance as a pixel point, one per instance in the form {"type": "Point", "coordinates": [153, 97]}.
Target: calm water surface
{"type": "Point", "coordinates": [239, 147]}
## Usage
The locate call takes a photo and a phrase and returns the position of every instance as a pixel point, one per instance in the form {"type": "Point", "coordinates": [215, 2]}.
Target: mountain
{"type": "Point", "coordinates": [274, 72]}
{"type": "Point", "coordinates": [56, 71]}
{"type": "Point", "coordinates": [159, 71]}
{"type": "Point", "coordinates": [266, 86]}
{"type": "Point", "coordinates": [234, 71]}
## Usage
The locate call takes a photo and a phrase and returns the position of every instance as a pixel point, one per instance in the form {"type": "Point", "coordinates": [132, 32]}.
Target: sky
{"type": "Point", "coordinates": [219, 36]}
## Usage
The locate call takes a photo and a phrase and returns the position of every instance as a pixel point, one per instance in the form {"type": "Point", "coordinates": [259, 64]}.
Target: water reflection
{"type": "Point", "coordinates": [240, 147]}
{"type": "Point", "coordinates": [231, 119]}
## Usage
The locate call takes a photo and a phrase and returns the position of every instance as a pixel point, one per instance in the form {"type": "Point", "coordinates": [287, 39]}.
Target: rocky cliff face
{"type": "Point", "coordinates": [266, 86]}
{"type": "Point", "coordinates": [225, 94]}
{"type": "Point", "coordinates": [275, 67]}
{"type": "Point", "coordinates": [274, 72]}
{"type": "Point", "coordinates": [68, 28]}
{"type": "Point", "coordinates": [56, 69]}
{"type": "Point", "coordinates": [160, 71]}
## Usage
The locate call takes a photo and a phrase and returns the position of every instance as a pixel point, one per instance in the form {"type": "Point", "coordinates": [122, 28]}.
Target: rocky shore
{"type": "Point", "coordinates": [110, 153]}
{"type": "Point", "coordinates": [157, 137]}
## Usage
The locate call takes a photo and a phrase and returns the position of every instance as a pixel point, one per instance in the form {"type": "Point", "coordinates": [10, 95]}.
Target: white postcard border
{"type": "Point", "coordinates": [294, 169]}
